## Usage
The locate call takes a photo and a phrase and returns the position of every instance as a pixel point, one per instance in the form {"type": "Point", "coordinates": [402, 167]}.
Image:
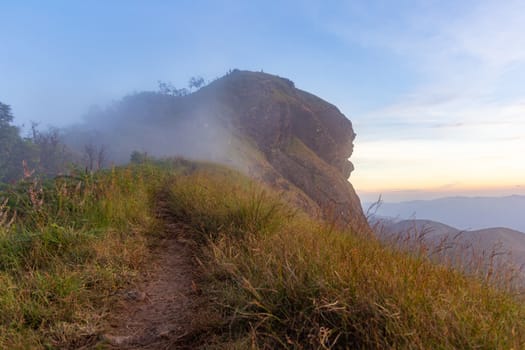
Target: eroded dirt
{"type": "Point", "coordinates": [158, 311]}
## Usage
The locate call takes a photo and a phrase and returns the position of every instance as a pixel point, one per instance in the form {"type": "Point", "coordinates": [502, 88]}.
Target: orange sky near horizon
{"type": "Point", "coordinates": [410, 169]}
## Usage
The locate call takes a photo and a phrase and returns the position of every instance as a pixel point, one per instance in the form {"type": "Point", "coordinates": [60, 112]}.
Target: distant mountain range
{"type": "Point", "coordinates": [464, 213]}
{"type": "Point", "coordinates": [506, 245]}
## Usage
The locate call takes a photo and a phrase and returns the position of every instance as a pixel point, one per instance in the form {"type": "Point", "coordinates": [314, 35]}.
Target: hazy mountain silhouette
{"type": "Point", "coordinates": [465, 213]}
{"type": "Point", "coordinates": [502, 244]}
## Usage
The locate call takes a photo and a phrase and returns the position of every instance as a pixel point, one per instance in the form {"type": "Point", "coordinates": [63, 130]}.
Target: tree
{"type": "Point", "coordinates": [101, 157]}
{"type": "Point", "coordinates": [53, 155]}
{"type": "Point", "coordinates": [6, 117]}
{"type": "Point", "coordinates": [165, 88]}
{"type": "Point", "coordinates": [168, 89]}
{"type": "Point", "coordinates": [41, 151]}
{"type": "Point", "coordinates": [95, 157]}
{"type": "Point", "coordinates": [12, 146]}
{"type": "Point", "coordinates": [139, 157]}
{"type": "Point", "coordinates": [196, 83]}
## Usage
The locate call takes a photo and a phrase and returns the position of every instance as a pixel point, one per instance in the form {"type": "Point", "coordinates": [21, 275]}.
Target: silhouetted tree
{"type": "Point", "coordinates": [53, 157]}
{"type": "Point", "coordinates": [13, 149]}
{"type": "Point", "coordinates": [167, 88]}
{"type": "Point", "coordinates": [94, 157]}
{"type": "Point", "coordinates": [89, 153]}
{"type": "Point", "coordinates": [196, 82]}
{"type": "Point", "coordinates": [139, 157]}
{"type": "Point", "coordinates": [101, 157]}
{"type": "Point", "coordinates": [41, 151]}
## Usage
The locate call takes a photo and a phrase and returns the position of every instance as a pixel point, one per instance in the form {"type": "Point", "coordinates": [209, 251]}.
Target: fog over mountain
{"type": "Point", "coordinates": [464, 213]}
{"type": "Point", "coordinates": [154, 123]}
{"type": "Point", "coordinates": [259, 123]}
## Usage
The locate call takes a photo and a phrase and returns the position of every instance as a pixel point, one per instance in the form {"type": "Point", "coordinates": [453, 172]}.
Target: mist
{"type": "Point", "coordinates": [155, 124]}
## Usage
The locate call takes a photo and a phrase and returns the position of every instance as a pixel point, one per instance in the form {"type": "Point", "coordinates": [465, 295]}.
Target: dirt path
{"type": "Point", "coordinates": [158, 312]}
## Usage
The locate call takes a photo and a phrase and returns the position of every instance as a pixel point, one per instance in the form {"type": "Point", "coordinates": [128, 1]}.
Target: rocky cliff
{"type": "Point", "coordinates": [306, 140]}
{"type": "Point", "coordinates": [257, 122]}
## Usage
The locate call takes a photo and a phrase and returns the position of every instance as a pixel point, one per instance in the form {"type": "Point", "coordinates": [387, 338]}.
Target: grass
{"type": "Point", "coordinates": [281, 280]}
{"type": "Point", "coordinates": [65, 247]}
{"type": "Point", "coordinates": [492, 264]}
{"type": "Point", "coordinates": [273, 277]}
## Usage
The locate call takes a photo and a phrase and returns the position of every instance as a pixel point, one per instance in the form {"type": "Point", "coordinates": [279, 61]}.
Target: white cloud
{"type": "Point", "coordinates": [493, 33]}
{"type": "Point", "coordinates": [461, 124]}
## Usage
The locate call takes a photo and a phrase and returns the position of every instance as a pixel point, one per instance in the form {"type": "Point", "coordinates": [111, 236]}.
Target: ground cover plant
{"type": "Point", "coordinates": [281, 280]}
{"type": "Point", "coordinates": [272, 276]}
{"type": "Point", "coordinates": [66, 246]}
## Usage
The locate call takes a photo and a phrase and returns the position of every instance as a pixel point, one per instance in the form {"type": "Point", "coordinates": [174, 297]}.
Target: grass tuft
{"type": "Point", "coordinates": [272, 276]}
{"type": "Point", "coordinates": [282, 280]}
{"type": "Point", "coordinates": [66, 246]}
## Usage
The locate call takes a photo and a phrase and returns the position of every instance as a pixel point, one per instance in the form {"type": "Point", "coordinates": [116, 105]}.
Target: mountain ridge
{"type": "Point", "coordinates": [461, 211]}
{"type": "Point", "coordinates": [256, 122]}
{"type": "Point", "coordinates": [507, 243]}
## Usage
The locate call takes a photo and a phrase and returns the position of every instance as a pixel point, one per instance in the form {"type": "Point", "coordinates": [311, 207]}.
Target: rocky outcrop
{"type": "Point", "coordinates": [257, 122]}
{"type": "Point", "coordinates": [306, 140]}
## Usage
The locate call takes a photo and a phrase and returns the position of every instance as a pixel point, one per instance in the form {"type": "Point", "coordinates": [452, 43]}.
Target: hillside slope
{"type": "Point", "coordinates": [284, 281]}
{"type": "Point", "coordinates": [268, 275]}
{"type": "Point", "coordinates": [504, 244]}
{"type": "Point", "coordinates": [259, 123]}
{"type": "Point", "coordinates": [465, 213]}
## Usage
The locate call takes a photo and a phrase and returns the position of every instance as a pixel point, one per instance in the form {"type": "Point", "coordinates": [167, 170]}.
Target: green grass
{"type": "Point", "coordinates": [281, 280]}
{"type": "Point", "coordinates": [65, 247]}
{"type": "Point", "coordinates": [273, 277]}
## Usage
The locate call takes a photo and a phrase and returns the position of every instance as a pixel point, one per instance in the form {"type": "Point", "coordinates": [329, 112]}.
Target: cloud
{"type": "Point", "coordinates": [493, 33]}
{"type": "Point", "coordinates": [461, 124]}
{"type": "Point", "coordinates": [460, 49]}
{"type": "Point", "coordinates": [448, 125]}
{"type": "Point", "coordinates": [462, 53]}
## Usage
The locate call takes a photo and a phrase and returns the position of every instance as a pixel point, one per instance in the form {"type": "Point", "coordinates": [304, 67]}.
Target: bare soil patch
{"type": "Point", "coordinates": [159, 312]}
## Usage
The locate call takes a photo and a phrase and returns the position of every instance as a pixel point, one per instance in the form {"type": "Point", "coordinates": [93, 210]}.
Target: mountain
{"type": "Point", "coordinates": [428, 228]}
{"type": "Point", "coordinates": [165, 253]}
{"type": "Point", "coordinates": [507, 243]}
{"type": "Point", "coordinates": [258, 123]}
{"type": "Point", "coordinates": [466, 213]}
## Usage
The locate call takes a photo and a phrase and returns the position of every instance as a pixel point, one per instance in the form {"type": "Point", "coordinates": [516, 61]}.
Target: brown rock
{"type": "Point", "coordinates": [257, 122]}
{"type": "Point", "coordinates": [305, 140]}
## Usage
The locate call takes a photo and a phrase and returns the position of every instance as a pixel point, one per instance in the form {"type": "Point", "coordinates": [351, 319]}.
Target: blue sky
{"type": "Point", "coordinates": [434, 88]}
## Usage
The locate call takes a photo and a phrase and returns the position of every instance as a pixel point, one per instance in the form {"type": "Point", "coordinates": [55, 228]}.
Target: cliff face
{"type": "Point", "coordinates": [257, 122]}
{"type": "Point", "coordinates": [305, 140]}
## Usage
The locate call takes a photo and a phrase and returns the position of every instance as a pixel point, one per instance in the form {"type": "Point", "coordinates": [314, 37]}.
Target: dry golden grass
{"type": "Point", "coordinates": [275, 277]}
{"type": "Point", "coordinates": [281, 280]}
{"type": "Point", "coordinates": [65, 247]}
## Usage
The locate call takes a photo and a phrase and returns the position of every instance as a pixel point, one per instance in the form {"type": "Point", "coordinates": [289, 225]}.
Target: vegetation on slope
{"type": "Point", "coordinates": [66, 246]}
{"type": "Point", "coordinates": [274, 278]}
{"type": "Point", "coordinates": [42, 150]}
{"type": "Point", "coordinates": [281, 280]}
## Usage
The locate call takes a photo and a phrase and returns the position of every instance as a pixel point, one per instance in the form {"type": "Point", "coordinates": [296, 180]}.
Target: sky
{"type": "Point", "coordinates": [434, 89]}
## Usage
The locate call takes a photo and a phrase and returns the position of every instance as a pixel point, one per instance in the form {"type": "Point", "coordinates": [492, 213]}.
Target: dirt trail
{"type": "Point", "coordinates": [158, 312]}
